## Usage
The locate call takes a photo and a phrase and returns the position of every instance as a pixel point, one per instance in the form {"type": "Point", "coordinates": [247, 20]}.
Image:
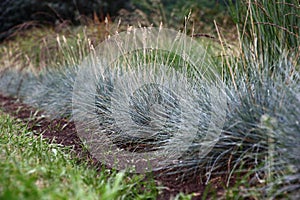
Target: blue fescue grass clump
{"type": "Point", "coordinates": [44, 78]}
{"type": "Point", "coordinates": [49, 90]}
{"type": "Point", "coordinates": [53, 91]}
{"type": "Point", "coordinates": [16, 83]}
{"type": "Point", "coordinates": [262, 132]}
{"type": "Point", "coordinates": [262, 128]}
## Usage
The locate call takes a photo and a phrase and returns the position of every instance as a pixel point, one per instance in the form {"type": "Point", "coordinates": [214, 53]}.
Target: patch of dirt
{"type": "Point", "coordinates": [62, 131]}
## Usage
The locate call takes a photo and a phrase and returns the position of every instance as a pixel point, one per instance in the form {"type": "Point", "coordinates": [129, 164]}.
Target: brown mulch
{"type": "Point", "coordinates": [62, 131]}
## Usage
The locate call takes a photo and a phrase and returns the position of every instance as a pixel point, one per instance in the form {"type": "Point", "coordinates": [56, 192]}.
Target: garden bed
{"type": "Point", "coordinates": [63, 132]}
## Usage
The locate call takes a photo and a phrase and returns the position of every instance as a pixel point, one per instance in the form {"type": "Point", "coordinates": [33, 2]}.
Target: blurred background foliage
{"type": "Point", "coordinates": [22, 14]}
{"type": "Point", "coordinates": [19, 15]}
{"type": "Point", "coordinates": [54, 33]}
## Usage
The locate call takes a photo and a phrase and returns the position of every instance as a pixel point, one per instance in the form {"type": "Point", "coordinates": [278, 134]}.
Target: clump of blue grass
{"type": "Point", "coordinates": [150, 102]}
{"type": "Point", "coordinates": [262, 131]}
{"type": "Point", "coordinates": [262, 134]}
{"type": "Point", "coordinates": [49, 90]}
{"type": "Point", "coordinates": [53, 91]}
{"type": "Point", "coordinates": [15, 83]}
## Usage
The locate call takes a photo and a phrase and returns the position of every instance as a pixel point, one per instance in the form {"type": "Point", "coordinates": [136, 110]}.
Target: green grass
{"type": "Point", "coordinates": [42, 48]}
{"type": "Point", "coordinates": [33, 168]}
{"type": "Point", "coordinates": [268, 29]}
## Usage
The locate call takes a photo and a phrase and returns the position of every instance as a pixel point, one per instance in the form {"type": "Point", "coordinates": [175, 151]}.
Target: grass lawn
{"type": "Point", "coordinates": [33, 168]}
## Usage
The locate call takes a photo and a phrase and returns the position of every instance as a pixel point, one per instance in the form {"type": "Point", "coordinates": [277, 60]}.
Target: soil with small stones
{"type": "Point", "coordinates": [62, 131]}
